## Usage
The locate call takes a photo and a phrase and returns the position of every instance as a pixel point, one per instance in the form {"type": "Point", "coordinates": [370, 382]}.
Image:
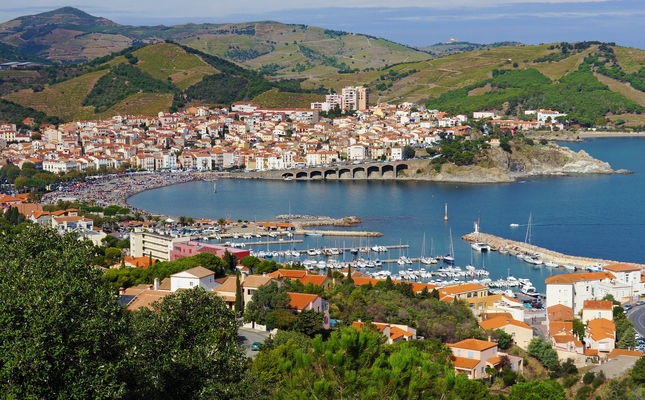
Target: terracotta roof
{"type": "Point", "coordinates": [255, 281]}
{"type": "Point", "coordinates": [494, 361]}
{"type": "Point", "coordinates": [396, 332]}
{"type": "Point", "coordinates": [598, 305]}
{"type": "Point", "coordinates": [300, 301]}
{"type": "Point", "coordinates": [457, 289]}
{"type": "Point", "coordinates": [464, 363]}
{"type": "Point", "coordinates": [559, 327]}
{"type": "Point", "coordinates": [622, 267]}
{"type": "Point", "coordinates": [499, 322]}
{"type": "Point", "coordinates": [622, 352]}
{"type": "Point", "coordinates": [228, 286]}
{"type": "Point", "coordinates": [288, 273]}
{"type": "Point", "coordinates": [146, 298]}
{"type": "Point", "coordinates": [317, 280]}
{"type": "Point", "coordinates": [591, 352]}
{"type": "Point", "coordinates": [601, 328]}
{"type": "Point", "coordinates": [560, 312]}
{"type": "Point", "coordinates": [473, 344]}
{"type": "Point", "coordinates": [584, 276]}
{"type": "Point", "coordinates": [567, 338]}
{"type": "Point", "coordinates": [198, 272]}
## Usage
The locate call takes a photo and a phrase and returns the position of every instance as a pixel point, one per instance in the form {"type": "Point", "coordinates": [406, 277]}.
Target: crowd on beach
{"type": "Point", "coordinates": [115, 189]}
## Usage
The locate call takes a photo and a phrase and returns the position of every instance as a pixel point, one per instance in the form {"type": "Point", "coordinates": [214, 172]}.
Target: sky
{"type": "Point", "coordinates": [411, 22]}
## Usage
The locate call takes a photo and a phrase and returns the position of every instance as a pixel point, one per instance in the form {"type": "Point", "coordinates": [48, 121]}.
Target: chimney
{"type": "Point", "coordinates": [156, 284]}
{"type": "Point", "coordinates": [121, 291]}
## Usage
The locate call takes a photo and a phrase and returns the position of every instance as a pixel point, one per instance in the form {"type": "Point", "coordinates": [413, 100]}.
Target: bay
{"type": "Point", "coordinates": [598, 216]}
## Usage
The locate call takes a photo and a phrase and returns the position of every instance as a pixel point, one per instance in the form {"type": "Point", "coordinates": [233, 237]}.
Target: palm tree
{"type": "Point", "coordinates": [182, 220]}
{"type": "Point", "coordinates": [190, 220]}
{"type": "Point", "coordinates": [221, 222]}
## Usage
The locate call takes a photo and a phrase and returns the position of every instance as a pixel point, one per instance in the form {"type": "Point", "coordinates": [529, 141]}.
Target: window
{"type": "Point", "coordinates": [191, 283]}
{"type": "Point", "coordinates": [471, 354]}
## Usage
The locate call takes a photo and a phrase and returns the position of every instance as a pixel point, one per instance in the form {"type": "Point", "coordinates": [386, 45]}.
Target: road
{"type": "Point", "coordinates": [248, 336]}
{"type": "Point", "coordinates": [637, 316]}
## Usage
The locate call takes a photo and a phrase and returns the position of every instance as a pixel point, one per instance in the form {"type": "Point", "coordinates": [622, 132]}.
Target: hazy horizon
{"type": "Point", "coordinates": [522, 21]}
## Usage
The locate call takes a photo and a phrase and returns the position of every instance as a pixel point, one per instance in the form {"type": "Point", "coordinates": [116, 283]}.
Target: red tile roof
{"type": "Point", "coordinates": [300, 301]}
{"type": "Point", "coordinates": [473, 344]}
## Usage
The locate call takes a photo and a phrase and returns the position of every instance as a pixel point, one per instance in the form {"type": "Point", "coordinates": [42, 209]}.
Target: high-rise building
{"type": "Point", "coordinates": [356, 98]}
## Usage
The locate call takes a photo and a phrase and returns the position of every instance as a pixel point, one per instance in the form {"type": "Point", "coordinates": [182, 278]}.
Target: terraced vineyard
{"type": "Point", "coordinates": [165, 60]}
{"type": "Point", "coordinates": [63, 99]}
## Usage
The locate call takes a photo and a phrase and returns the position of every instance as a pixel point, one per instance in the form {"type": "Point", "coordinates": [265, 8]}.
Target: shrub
{"type": "Point", "coordinates": [583, 393]}
{"type": "Point", "coordinates": [588, 378]}
{"type": "Point", "coordinates": [570, 381]}
{"type": "Point", "coordinates": [597, 382]}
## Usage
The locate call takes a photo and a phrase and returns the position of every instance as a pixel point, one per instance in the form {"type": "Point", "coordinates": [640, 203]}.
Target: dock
{"type": "Point", "coordinates": [547, 255]}
{"type": "Point", "coordinates": [358, 234]}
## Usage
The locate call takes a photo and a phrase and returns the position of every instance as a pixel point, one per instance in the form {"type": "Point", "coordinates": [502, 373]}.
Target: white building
{"type": "Point", "coordinates": [159, 246]}
{"type": "Point", "coordinates": [484, 115]}
{"type": "Point", "coordinates": [572, 290]}
{"type": "Point", "coordinates": [543, 115]}
{"type": "Point", "coordinates": [629, 275]}
{"type": "Point", "coordinates": [192, 278]}
{"type": "Point", "coordinates": [60, 166]}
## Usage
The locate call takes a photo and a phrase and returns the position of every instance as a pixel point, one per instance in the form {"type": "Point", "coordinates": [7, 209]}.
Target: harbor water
{"type": "Point", "coordinates": [597, 216]}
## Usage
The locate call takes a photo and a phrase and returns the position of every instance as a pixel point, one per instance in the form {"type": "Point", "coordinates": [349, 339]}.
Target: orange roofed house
{"type": "Point", "coordinates": [463, 292]}
{"type": "Point", "coordinates": [472, 356]}
{"type": "Point", "coordinates": [304, 301]}
{"type": "Point", "coordinates": [392, 332]}
{"type": "Point", "coordinates": [521, 333]}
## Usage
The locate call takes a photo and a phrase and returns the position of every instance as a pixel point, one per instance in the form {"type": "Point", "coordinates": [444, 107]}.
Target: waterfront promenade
{"type": "Point", "coordinates": [546, 255]}
{"type": "Point", "coordinates": [116, 189]}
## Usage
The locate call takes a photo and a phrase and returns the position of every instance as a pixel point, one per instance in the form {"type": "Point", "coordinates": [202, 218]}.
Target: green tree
{"type": "Point", "coordinates": [638, 371]}
{"type": "Point", "coordinates": [537, 390]}
{"type": "Point", "coordinates": [238, 295]}
{"type": "Point", "coordinates": [230, 260]}
{"type": "Point", "coordinates": [579, 328]}
{"type": "Point", "coordinates": [9, 172]}
{"type": "Point", "coordinates": [62, 328]}
{"type": "Point", "coordinates": [190, 334]}
{"type": "Point", "coordinates": [408, 152]}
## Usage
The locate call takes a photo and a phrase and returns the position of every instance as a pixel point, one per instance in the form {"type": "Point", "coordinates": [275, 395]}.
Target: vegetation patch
{"type": "Point", "coordinates": [276, 99]}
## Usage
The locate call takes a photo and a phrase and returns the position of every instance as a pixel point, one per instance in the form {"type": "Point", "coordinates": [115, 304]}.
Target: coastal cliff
{"type": "Point", "coordinates": [499, 166]}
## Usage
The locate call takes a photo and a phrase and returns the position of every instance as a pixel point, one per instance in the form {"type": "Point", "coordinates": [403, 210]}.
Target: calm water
{"type": "Point", "coordinates": [593, 216]}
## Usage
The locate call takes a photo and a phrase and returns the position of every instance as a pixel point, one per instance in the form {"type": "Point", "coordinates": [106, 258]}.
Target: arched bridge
{"type": "Point", "coordinates": [374, 170]}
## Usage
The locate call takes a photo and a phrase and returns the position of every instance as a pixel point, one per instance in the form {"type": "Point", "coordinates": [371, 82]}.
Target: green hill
{"type": "Point", "coordinates": [148, 80]}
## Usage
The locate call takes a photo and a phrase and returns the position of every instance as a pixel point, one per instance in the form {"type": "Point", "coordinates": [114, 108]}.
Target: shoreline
{"type": "Point", "coordinates": [591, 135]}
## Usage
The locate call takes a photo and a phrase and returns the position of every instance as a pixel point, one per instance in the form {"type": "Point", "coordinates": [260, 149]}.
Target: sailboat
{"type": "Point", "coordinates": [215, 187]}
{"type": "Point", "coordinates": [531, 258]}
{"type": "Point", "coordinates": [445, 213]}
{"type": "Point", "coordinates": [450, 257]}
{"type": "Point", "coordinates": [423, 259]}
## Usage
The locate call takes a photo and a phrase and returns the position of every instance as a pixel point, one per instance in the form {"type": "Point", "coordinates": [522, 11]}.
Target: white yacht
{"type": "Point", "coordinates": [529, 291]}
{"type": "Point", "coordinates": [480, 246]}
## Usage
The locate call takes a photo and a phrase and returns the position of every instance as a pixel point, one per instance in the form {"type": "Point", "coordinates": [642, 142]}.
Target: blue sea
{"type": "Point", "coordinates": [598, 216]}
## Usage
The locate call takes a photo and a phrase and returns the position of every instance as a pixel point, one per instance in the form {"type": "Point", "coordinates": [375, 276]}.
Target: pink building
{"type": "Point", "coordinates": [302, 301]}
{"type": "Point", "coordinates": [189, 249]}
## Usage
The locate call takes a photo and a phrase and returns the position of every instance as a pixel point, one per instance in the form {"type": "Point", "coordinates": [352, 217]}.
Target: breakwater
{"type": "Point", "coordinates": [499, 243]}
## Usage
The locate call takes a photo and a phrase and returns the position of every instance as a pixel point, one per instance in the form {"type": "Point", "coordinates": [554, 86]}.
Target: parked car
{"type": "Point", "coordinates": [256, 346]}
{"type": "Point", "coordinates": [640, 302]}
{"type": "Point", "coordinates": [627, 307]}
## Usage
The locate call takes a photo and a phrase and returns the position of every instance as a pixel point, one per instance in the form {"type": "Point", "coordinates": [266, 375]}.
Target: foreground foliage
{"type": "Point", "coordinates": [64, 335]}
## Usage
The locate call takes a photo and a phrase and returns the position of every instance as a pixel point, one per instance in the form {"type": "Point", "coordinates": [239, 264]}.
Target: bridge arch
{"type": "Point", "coordinates": [345, 173]}
{"type": "Point", "coordinates": [373, 172]}
{"type": "Point", "coordinates": [315, 174]}
{"type": "Point", "coordinates": [330, 174]}
{"type": "Point", "coordinates": [387, 171]}
{"type": "Point", "coordinates": [401, 168]}
{"type": "Point", "coordinates": [359, 173]}
{"type": "Point", "coordinates": [287, 175]}
{"type": "Point", "coordinates": [302, 175]}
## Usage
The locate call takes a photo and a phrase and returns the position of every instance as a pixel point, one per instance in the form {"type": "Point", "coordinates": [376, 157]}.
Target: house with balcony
{"type": "Point", "coordinates": [520, 331]}
{"type": "Point", "coordinates": [392, 332]}
{"type": "Point", "coordinates": [193, 278]}
{"type": "Point", "coordinates": [473, 356]}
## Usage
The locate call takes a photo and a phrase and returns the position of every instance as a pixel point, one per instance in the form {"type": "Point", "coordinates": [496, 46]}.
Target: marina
{"type": "Point", "coordinates": [569, 215]}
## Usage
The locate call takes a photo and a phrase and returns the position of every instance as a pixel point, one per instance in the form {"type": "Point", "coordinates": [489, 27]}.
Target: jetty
{"type": "Point", "coordinates": [338, 233]}
{"type": "Point", "coordinates": [497, 243]}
